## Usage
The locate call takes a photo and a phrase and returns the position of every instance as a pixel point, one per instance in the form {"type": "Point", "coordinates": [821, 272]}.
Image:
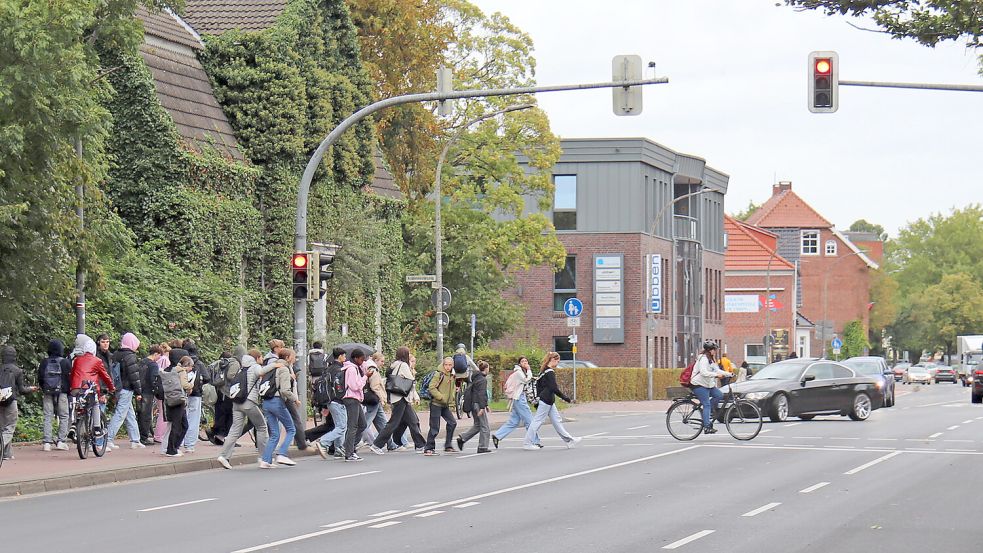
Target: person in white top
{"type": "Point", "coordinates": [704, 381]}
{"type": "Point", "coordinates": [515, 389]}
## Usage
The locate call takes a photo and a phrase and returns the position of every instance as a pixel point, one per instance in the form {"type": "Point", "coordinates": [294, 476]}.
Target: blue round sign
{"type": "Point", "coordinates": [836, 343]}
{"type": "Point", "coordinates": [573, 307]}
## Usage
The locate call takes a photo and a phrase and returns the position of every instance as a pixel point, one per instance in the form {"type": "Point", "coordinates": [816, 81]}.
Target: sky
{"type": "Point", "coordinates": [737, 92]}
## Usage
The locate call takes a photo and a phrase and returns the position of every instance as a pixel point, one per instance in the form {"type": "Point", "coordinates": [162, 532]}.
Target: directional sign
{"type": "Point", "coordinates": [421, 278]}
{"type": "Point", "coordinates": [573, 322]}
{"type": "Point", "coordinates": [836, 343]}
{"type": "Point", "coordinates": [573, 307]}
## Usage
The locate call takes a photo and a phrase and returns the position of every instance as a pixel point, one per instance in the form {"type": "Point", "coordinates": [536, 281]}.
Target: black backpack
{"type": "Point", "coordinates": [267, 385]}
{"type": "Point", "coordinates": [369, 397]}
{"type": "Point", "coordinates": [321, 393]}
{"type": "Point", "coordinates": [158, 387]}
{"type": "Point", "coordinates": [239, 389]}
{"type": "Point", "coordinates": [51, 376]}
{"type": "Point", "coordinates": [317, 362]}
{"type": "Point", "coordinates": [460, 363]}
{"type": "Point", "coordinates": [338, 386]}
{"type": "Point", "coordinates": [468, 401]}
{"type": "Point", "coordinates": [218, 372]}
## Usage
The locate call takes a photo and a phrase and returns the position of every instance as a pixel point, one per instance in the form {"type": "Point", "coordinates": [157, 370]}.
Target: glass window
{"type": "Point", "coordinates": [831, 247]}
{"type": "Point", "coordinates": [810, 242]}
{"type": "Point", "coordinates": [565, 283]}
{"type": "Point", "coordinates": [843, 372]}
{"type": "Point", "coordinates": [565, 202]}
{"type": "Point", "coordinates": [562, 345]}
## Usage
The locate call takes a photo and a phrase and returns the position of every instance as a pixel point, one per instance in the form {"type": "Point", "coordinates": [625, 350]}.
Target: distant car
{"type": "Point", "coordinates": [947, 374]}
{"type": "Point", "coordinates": [568, 364]}
{"type": "Point", "coordinates": [917, 373]}
{"type": "Point", "coordinates": [899, 370]}
{"type": "Point", "coordinates": [875, 367]}
{"type": "Point", "coordinates": [806, 387]}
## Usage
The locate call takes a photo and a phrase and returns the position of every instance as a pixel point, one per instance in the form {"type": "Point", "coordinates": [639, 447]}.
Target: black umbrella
{"type": "Point", "coordinates": [351, 346]}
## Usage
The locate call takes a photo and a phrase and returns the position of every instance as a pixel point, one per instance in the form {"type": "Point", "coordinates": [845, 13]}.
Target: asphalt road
{"type": "Point", "coordinates": [903, 481]}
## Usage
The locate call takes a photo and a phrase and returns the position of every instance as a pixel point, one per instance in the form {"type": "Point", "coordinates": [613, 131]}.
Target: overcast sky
{"type": "Point", "coordinates": [737, 98]}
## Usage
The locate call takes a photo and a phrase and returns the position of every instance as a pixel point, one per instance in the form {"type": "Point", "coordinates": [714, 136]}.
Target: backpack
{"type": "Point", "coordinates": [338, 386]}
{"type": "Point", "coordinates": [218, 372]}
{"type": "Point", "coordinates": [369, 397]}
{"type": "Point", "coordinates": [532, 393]}
{"type": "Point", "coordinates": [158, 387]}
{"type": "Point", "coordinates": [51, 376]}
{"type": "Point", "coordinates": [460, 363]}
{"type": "Point", "coordinates": [425, 385]}
{"type": "Point", "coordinates": [687, 376]}
{"type": "Point", "coordinates": [317, 362]}
{"type": "Point", "coordinates": [468, 400]}
{"type": "Point", "coordinates": [321, 392]}
{"type": "Point", "coordinates": [238, 389]}
{"type": "Point", "coordinates": [173, 393]}
{"type": "Point", "coordinates": [114, 373]}
{"type": "Point", "coordinates": [267, 386]}
{"type": "Point", "coordinates": [7, 383]}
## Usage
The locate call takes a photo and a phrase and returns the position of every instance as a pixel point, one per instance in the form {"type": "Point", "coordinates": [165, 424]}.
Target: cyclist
{"type": "Point", "coordinates": [89, 367]}
{"type": "Point", "coordinates": [704, 382]}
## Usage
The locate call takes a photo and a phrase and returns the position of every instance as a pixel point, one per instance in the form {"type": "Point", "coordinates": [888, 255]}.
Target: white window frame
{"type": "Point", "coordinates": [830, 248]}
{"type": "Point", "coordinates": [802, 242]}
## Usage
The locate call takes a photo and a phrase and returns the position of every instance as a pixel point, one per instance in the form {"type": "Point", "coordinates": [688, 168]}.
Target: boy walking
{"type": "Point", "coordinates": [442, 391]}
{"type": "Point", "coordinates": [478, 393]}
{"type": "Point", "coordinates": [53, 375]}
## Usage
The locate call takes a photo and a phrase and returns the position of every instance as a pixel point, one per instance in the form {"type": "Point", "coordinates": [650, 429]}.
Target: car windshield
{"type": "Point", "coordinates": [864, 367]}
{"type": "Point", "coordinates": [784, 370]}
{"type": "Point", "coordinates": [918, 369]}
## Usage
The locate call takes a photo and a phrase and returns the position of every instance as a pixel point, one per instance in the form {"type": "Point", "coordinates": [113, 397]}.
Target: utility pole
{"type": "Point", "coordinates": [79, 269]}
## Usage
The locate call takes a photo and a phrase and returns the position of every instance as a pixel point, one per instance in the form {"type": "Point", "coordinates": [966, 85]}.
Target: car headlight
{"type": "Point", "coordinates": [756, 395]}
{"type": "Point", "coordinates": [880, 384]}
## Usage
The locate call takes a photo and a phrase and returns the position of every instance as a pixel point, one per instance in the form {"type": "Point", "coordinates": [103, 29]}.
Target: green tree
{"type": "Point", "coordinates": [861, 225]}
{"type": "Point", "coordinates": [952, 307]}
{"type": "Point", "coordinates": [854, 340]}
{"type": "Point", "coordinates": [747, 212]}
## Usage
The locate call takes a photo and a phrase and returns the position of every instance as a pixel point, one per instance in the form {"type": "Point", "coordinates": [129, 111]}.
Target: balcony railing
{"type": "Point", "coordinates": [685, 228]}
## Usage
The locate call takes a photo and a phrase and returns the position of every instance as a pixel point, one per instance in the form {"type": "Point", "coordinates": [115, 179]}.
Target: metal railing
{"type": "Point", "coordinates": [685, 228]}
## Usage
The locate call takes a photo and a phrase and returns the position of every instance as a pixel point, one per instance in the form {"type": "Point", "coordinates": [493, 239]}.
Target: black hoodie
{"type": "Point", "coordinates": [11, 374]}
{"type": "Point", "coordinates": [56, 350]}
{"type": "Point", "coordinates": [199, 368]}
{"type": "Point", "coordinates": [129, 370]}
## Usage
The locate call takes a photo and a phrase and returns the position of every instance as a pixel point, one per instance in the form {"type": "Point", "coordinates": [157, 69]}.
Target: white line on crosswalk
{"type": "Point", "coordinates": [814, 487]}
{"type": "Point", "coordinates": [428, 514]}
{"type": "Point", "coordinates": [936, 435]}
{"type": "Point", "coordinates": [387, 523]}
{"type": "Point", "coordinates": [872, 463]}
{"type": "Point", "coordinates": [384, 513]}
{"type": "Point", "coordinates": [339, 523]}
{"type": "Point", "coordinates": [688, 539]}
{"type": "Point", "coordinates": [466, 505]}
{"type": "Point", "coordinates": [953, 427]}
{"type": "Point", "coordinates": [761, 509]}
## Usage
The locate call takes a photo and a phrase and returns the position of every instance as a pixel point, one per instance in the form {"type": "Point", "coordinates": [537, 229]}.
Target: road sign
{"type": "Point", "coordinates": [836, 351]}
{"type": "Point", "coordinates": [836, 344]}
{"type": "Point", "coordinates": [443, 319]}
{"type": "Point", "coordinates": [573, 322]}
{"type": "Point", "coordinates": [441, 299]}
{"type": "Point", "coordinates": [421, 278]}
{"type": "Point", "coordinates": [573, 307]}
{"type": "Point", "coordinates": [572, 338]}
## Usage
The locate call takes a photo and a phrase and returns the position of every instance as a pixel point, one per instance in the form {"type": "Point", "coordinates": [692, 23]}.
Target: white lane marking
{"type": "Point", "coordinates": [939, 403]}
{"type": "Point", "coordinates": [761, 509]}
{"type": "Point", "coordinates": [844, 438]}
{"type": "Point", "coordinates": [872, 463]}
{"type": "Point", "coordinates": [953, 427]}
{"type": "Point", "coordinates": [493, 493]}
{"type": "Point", "coordinates": [791, 424]}
{"type": "Point", "coordinates": [968, 422]}
{"type": "Point", "coordinates": [979, 418]}
{"type": "Point", "coordinates": [807, 437]}
{"type": "Point", "coordinates": [474, 455]}
{"type": "Point", "coordinates": [384, 513]}
{"type": "Point", "coordinates": [883, 439]}
{"type": "Point", "coordinates": [879, 448]}
{"type": "Point", "coordinates": [424, 504]}
{"type": "Point", "coordinates": [639, 427]}
{"type": "Point", "coordinates": [176, 505]}
{"type": "Point", "coordinates": [428, 514]}
{"type": "Point", "coordinates": [598, 445]}
{"type": "Point", "coordinates": [687, 539]}
{"type": "Point", "coordinates": [339, 523]}
{"type": "Point", "coordinates": [388, 523]}
{"type": "Point", "coordinates": [839, 446]}
{"type": "Point", "coordinates": [936, 435]}
{"type": "Point", "coordinates": [801, 445]}
{"type": "Point", "coordinates": [596, 435]}
{"type": "Point", "coordinates": [814, 487]}
{"type": "Point", "coordinates": [638, 445]}
{"type": "Point", "coordinates": [920, 449]}
{"type": "Point", "coordinates": [962, 450]}
{"type": "Point", "coordinates": [353, 475]}
{"type": "Point", "coordinates": [466, 505]}
{"type": "Point", "coordinates": [959, 441]}
{"type": "Point", "coordinates": [766, 430]}
{"type": "Point", "coordinates": [791, 447]}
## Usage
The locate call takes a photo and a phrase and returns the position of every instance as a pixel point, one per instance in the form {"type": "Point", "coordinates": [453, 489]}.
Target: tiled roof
{"type": "Point", "coordinates": [786, 209]}
{"type": "Point", "coordinates": [383, 183]}
{"type": "Point", "coordinates": [747, 252]}
{"type": "Point", "coordinates": [183, 88]}
{"type": "Point", "coordinates": [214, 17]}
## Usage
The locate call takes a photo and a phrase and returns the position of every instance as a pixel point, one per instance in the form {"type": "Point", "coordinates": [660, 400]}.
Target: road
{"type": "Point", "coordinates": [901, 481]}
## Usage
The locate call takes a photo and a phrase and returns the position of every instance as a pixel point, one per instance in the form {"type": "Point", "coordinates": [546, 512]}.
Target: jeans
{"type": "Point", "coordinates": [240, 413]}
{"type": "Point", "coordinates": [480, 427]}
{"type": "Point", "coordinates": [194, 422]}
{"type": "Point", "coordinates": [299, 422]}
{"type": "Point", "coordinates": [124, 411]}
{"type": "Point", "coordinates": [709, 397]}
{"type": "Point", "coordinates": [50, 402]}
{"type": "Point", "coordinates": [340, 417]}
{"type": "Point", "coordinates": [356, 424]}
{"type": "Point", "coordinates": [375, 418]}
{"type": "Point", "coordinates": [8, 422]}
{"type": "Point", "coordinates": [178, 418]}
{"type": "Point", "coordinates": [276, 414]}
{"type": "Point", "coordinates": [436, 413]}
{"type": "Point", "coordinates": [402, 416]}
{"type": "Point", "coordinates": [543, 412]}
{"type": "Point", "coordinates": [520, 414]}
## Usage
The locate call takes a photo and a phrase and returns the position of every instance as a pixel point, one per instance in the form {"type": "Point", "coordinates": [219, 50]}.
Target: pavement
{"type": "Point", "coordinates": [902, 481]}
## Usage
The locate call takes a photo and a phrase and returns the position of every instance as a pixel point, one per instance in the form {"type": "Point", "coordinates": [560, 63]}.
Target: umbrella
{"type": "Point", "coordinates": [349, 347]}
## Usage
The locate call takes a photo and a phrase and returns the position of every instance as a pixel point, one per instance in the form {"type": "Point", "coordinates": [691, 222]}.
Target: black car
{"type": "Point", "coordinates": [805, 388]}
{"type": "Point", "coordinates": [875, 367]}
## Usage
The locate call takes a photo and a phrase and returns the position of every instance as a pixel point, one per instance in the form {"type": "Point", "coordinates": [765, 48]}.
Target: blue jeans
{"type": "Point", "coordinates": [544, 412]}
{"type": "Point", "coordinates": [520, 415]}
{"type": "Point", "coordinates": [276, 414]}
{"type": "Point", "coordinates": [709, 397]}
{"type": "Point", "coordinates": [340, 417]}
{"type": "Point", "coordinates": [194, 421]}
{"type": "Point", "coordinates": [124, 410]}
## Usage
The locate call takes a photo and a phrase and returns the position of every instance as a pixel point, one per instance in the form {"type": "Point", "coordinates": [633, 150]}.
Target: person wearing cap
{"type": "Point", "coordinates": [704, 382]}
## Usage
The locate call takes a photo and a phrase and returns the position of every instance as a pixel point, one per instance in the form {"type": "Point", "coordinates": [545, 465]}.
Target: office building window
{"type": "Point", "coordinates": [810, 242]}
{"type": "Point", "coordinates": [565, 202]}
{"type": "Point", "coordinates": [562, 345]}
{"type": "Point", "coordinates": [831, 247]}
{"type": "Point", "coordinates": [565, 283]}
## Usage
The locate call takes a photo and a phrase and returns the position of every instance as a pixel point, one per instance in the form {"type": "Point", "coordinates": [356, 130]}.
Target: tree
{"type": "Point", "coordinates": [861, 225]}
{"type": "Point", "coordinates": [929, 22]}
{"type": "Point", "coordinates": [953, 307]}
{"type": "Point", "coordinates": [748, 211]}
{"type": "Point", "coordinates": [855, 341]}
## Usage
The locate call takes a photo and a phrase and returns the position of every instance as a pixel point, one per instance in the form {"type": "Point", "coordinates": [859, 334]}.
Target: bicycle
{"type": "Point", "coordinates": [85, 429]}
{"type": "Point", "coordinates": [684, 418]}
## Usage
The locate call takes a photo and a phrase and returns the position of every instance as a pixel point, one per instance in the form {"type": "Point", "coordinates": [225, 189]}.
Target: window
{"type": "Point", "coordinates": [810, 242]}
{"type": "Point", "coordinates": [565, 283]}
{"type": "Point", "coordinates": [831, 247]}
{"type": "Point", "coordinates": [562, 345]}
{"type": "Point", "coordinates": [754, 350]}
{"type": "Point", "coordinates": [565, 202]}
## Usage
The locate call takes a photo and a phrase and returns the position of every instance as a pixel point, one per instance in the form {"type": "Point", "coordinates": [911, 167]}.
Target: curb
{"type": "Point", "coordinates": [124, 474]}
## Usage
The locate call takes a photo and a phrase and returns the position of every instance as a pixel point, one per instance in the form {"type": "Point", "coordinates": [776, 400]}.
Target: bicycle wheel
{"type": "Point", "coordinates": [743, 420]}
{"type": "Point", "coordinates": [459, 400]}
{"type": "Point", "coordinates": [82, 437]}
{"type": "Point", "coordinates": [684, 420]}
{"type": "Point", "coordinates": [99, 444]}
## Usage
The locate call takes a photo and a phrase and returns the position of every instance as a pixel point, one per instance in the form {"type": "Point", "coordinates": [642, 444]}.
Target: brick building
{"type": "Point", "coordinates": [833, 276]}
{"type": "Point", "coordinates": [624, 208]}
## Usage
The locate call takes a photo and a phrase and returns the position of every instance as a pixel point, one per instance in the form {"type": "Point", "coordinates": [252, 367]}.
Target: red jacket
{"type": "Point", "coordinates": [89, 367]}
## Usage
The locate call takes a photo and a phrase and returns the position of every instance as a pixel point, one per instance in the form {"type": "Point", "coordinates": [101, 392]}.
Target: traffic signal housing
{"type": "Point", "coordinates": [300, 264]}
{"type": "Point", "coordinates": [824, 81]}
{"type": "Point", "coordinates": [323, 273]}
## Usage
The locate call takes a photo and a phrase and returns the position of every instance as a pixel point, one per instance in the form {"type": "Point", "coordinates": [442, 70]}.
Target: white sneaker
{"type": "Point", "coordinates": [573, 443]}
{"type": "Point", "coordinates": [224, 462]}
{"type": "Point", "coordinates": [284, 460]}
{"type": "Point", "coordinates": [46, 447]}
{"type": "Point", "coordinates": [137, 445]}
{"type": "Point", "coordinates": [178, 454]}
{"type": "Point", "coordinates": [61, 446]}
{"type": "Point", "coordinates": [377, 450]}
{"type": "Point", "coordinates": [264, 465]}
{"type": "Point", "coordinates": [530, 447]}
{"type": "Point", "coordinates": [111, 446]}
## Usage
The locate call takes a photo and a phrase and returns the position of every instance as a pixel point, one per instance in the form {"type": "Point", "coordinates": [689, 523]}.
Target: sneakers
{"type": "Point", "coordinates": [573, 443]}
{"type": "Point", "coordinates": [61, 446]}
{"type": "Point", "coordinates": [189, 450]}
{"type": "Point", "coordinates": [419, 450]}
{"type": "Point", "coordinates": [532, 447]}
{"type": "Point", "coordinates": [284, 460]}
{"type": "Point", "coordinates": [495, 440]}
{"type": "Point", "coordinates": [111, 446]}
{"type": "Point", "coordinates": [377, 450]}
{"type": "Point", "coordinates": [450, 450]}
{"type": "Point", "coordinates": [398, 448]}
{"type": "Point", "coordinates": [429, 453]}
{"type": "Point", "coordinates": [71, 434]}
{"type": "Point", "coordinates": [709, 430]}
{"type": "Point", "coordinates": [460, 443]}
{"type": "Point", "coordinates": [353, 458]}
{"type": "Point", "coordinates": [97, 432]}
{"type": "Point", "coordinates": [224, 462]}
{"type": "Point", "coordinates": [147, 441]}
{"type": "Point", "coordinates": [484, 450]}
{"type": "Point", "coordinates": [137, 445]}
{"type": "Point", "coordinates": [264, 465]}
{"type": "Point", "coordinates": [320, 449]}
{"type": "Point", "coordinates": [46, 447]}
{"type": "Point", "coordinates": [178, 454]}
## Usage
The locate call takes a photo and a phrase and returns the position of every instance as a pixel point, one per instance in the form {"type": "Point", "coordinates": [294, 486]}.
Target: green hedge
{"type": "Point", "coordinates": [617, 384]}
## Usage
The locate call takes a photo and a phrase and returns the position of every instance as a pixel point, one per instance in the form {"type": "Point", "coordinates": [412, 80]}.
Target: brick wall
{"type": "Point", "coordinates": [750, 328]}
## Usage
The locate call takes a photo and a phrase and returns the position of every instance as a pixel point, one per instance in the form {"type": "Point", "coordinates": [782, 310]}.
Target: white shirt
{"type": "Point", "coordinates": [705, 373]}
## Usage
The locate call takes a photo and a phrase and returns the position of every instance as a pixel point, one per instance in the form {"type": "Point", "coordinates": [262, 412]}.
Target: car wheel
{"type": "Point", "coordinates": [779, 408]}
{"type": "Point", "coordinates": [807, 417]}
{"type": "Point", "coordinates": [861, 407]}
{"type": "Point", "coordinates": [976, 398]}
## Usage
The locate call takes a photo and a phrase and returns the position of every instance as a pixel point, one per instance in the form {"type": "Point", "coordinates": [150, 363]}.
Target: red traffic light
{"type": "Point", "coordinates": [823, 66]}
{"type": "Point", "coordinates": [299, 261]}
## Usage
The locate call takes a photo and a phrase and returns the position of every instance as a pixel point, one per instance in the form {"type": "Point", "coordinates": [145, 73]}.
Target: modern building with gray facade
{"type": "Point", "coordinates": [646, 260]}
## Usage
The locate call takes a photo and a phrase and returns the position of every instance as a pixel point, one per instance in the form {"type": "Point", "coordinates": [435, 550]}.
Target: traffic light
{"type": "Point", "coordinates": [323, 273]}
{"type": "Point", "coordinates": [299, 265]}
{"type": "Point", "coordinates": [824, 77]}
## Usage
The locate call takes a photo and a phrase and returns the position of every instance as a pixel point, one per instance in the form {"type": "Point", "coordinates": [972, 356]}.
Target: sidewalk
{"type": "Point", "coordinates": [35, 471]}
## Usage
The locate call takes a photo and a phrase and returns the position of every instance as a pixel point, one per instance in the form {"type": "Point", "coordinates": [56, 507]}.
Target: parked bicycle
{"type": "Point", "coordinates": [89, 435]}
{"type": "Point", "coordinates": [684, 419]}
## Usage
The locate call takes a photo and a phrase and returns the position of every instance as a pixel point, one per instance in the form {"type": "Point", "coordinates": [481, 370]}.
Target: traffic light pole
{"type": "Point", "coordinates": [917, 86]}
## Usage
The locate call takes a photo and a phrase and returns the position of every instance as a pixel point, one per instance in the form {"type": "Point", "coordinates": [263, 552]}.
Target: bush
{"type": "Point", "coordinates": [30, 419]}
{"type": "Point", "coordinates": [617, 384]}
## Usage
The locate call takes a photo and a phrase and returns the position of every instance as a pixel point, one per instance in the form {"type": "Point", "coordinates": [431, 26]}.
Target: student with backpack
{"type": "Point", "coordinates": [704, 383]}
{"type": "Point", "coordinates": [53, 373]}
{"type": "Point", "coordinates": [161, 427]}
{"type": "Point", "coordinates": [477, 402]}
{"type": "Point", "coordinates": [401, 394]}
{"type": "Point", "coordinates": [548, 391]}
{"type": "Point", "coordinates": [88, 367]}
{"type": "Point", "coordinates": [145, 407]}
{"type": "Point", "coordinates": [317, 360]}
{"type": "Point", "coordinates": [244, 395]}
{"type": "Point", "coordinates": [332, 442]}
{"type": "Point", "coordinates": [374, 399]}
{"type": "Point", "coordinates": [354, 394]}
{"type": "Point", "coordinates": [11, 386]}
{"type": "Point", "coordinates": [441, 391]}
{"type": "Point", "coordinates": [198, 376]}
{"type": "Point", "coordinates": [130, 387]}
{"type": "Point", "coordinates": [277, 389]}
{"type": "Point", "coordinates": [223, 372]}
{"type": "Point", "coordinates": [515, 391]}
{"type": "Point", "coordinates": [174, 389]}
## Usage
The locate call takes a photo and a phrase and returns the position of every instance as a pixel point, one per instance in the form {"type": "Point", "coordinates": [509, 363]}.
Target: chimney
{"type": "Point", "coordinates": [782, 186]}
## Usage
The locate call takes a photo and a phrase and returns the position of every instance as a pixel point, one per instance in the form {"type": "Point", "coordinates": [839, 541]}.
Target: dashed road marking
{"type": "Point", "coordinates": [968, 421]}
{"type": "Point", "coordinates": [936, 435]}
{"type": "Point", "coordinates": [807, 437]}
{"type": "Point", "coordinates": [428, 514]}
{"type": "Point", "coordinates": [466, 505]}
{"type": "Point", "coordinates": [424, 504]}
{"type": "Point", "coordinates": [384, 513]}
{"type": "Point", "coordinates": [814, 487]}
{"type": "Point", "coordinates": [761, 509]}
{"type": "Point", "coordinates": [872, 463]}
{"type": "Point", "coordinates": [953, 427]}
{"type": "Point", "coordinates": [883, 439]}
{"type": "Point", "coordinates": [791, 424]}
{"type": "Point", "coordinates": [639, 427]}
{"type": "Point", "coordinates": [176, 505]}
{"type": "Point", "coordinates": [688, 539]}
{"type": "Point", "coordinates": [959, 441]}
{"type": "Point", "coordinates": [962, 450]}
{"type": "Point", "coordinates": [339, 523]}
{"type": "Point", "coordinates": [844, 438]}
{"type": "Point", "coordinates": [342, 477]}
{"type": "Point", "coordinates": [387, 523]}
